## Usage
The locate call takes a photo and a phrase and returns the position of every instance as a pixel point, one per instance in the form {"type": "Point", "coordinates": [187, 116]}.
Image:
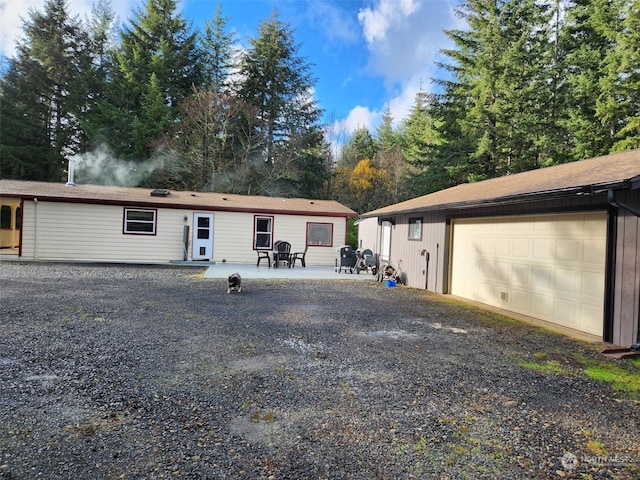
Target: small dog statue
{"type": "Point", "coordinates": [235, 283]}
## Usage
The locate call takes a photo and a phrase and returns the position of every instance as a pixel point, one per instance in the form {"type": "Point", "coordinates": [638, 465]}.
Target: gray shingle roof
{"type": "Point", "coordinates": [616, 171]}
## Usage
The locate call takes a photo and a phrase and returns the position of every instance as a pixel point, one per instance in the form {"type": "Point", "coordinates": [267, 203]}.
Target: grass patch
{"type": "Point", "coordinates": [621, 380]}
{"type": "Point", "coordinates": [550, 366]}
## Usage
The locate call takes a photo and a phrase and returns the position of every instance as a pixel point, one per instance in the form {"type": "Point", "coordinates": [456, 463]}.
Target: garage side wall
{"type": "Point", "coordinates": [627, 278]}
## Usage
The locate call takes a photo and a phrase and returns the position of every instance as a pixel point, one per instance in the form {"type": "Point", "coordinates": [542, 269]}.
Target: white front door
{"type": "Point", "coordinates": [202, 236]}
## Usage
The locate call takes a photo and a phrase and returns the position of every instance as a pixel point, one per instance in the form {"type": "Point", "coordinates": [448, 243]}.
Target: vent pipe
{"type": "Point", "coordinates": [70, 182]}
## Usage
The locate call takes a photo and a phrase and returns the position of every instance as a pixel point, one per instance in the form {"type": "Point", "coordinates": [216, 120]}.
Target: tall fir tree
{"type": "Point", "coordinates": [219, 55]}
{"type": "Point", "coordinates": [585, 41]}
{"type": "Point", "coordinates": [277, 82]}
{"type": "Point", "coordinates": [44, 95]}
{"type": "Point", "coordinates": [155, 66]}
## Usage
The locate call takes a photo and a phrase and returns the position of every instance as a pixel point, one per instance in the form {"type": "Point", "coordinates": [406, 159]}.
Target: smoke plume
{"type": "Point", "coordinates": [101, 167]}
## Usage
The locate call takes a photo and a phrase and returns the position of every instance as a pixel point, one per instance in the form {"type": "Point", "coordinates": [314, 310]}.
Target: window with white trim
{"type": "Point", "coordinates": [263, 233]}
{"type": "Point", "coordinates": [139, 221]}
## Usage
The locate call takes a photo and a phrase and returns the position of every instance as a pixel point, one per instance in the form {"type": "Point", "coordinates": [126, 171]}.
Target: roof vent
{"type": "Point", "coordinates": [160, 192]}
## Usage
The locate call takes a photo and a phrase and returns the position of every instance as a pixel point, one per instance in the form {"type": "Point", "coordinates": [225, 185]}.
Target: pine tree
{"type": "Point", "coordinates": [277, 83]}
{"type": "Point", "coordinates": [44, 95]}
{"type": "Point", "coordinates": [585, 42]}
{"type": "Point", "coordinates": [497, 107]}
{"type": "Point", "coordinates": [157, 59]}
{"type": "Point", "coordinates": [219, 57]}
{"type": "Point", "coordinates": [623, 64]}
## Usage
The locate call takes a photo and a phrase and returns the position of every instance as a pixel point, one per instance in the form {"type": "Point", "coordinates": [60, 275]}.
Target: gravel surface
{"type": "Point", "coordinates": [137, 372]}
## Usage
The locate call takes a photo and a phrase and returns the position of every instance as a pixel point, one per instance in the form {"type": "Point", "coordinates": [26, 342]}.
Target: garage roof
{"type": "Point", "coordinates": [111, 195]}
{"type": "Point", "coordinates": [617, 171]}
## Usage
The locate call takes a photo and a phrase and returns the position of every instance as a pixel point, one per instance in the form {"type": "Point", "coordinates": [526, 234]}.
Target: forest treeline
{"type": "Point", "coordinates": [526, 84]}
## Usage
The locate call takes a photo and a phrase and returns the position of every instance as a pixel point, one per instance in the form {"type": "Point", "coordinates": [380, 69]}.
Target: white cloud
{"type": "Point", "coordinates": [14, 12]}
{"type": "Point", "coordinates": [388, 13]}
{"type": "Point", "coordinates": [358, 117]}
{"type": "Point", "coordinates": [404, 39]}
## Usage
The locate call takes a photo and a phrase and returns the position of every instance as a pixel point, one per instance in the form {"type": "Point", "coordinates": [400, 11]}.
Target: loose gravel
{"type": "Point", "coordinates": [143, 372]}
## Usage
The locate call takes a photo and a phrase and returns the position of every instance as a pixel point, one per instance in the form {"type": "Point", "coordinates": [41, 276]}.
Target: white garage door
{"type": "Point", "coordinates": [550, 267]}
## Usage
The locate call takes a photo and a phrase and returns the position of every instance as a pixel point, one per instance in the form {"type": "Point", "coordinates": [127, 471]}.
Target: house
{"type": "Point", "coordinates": [560, 244]}
{"type": "Point", "coordinates": [51, 221]}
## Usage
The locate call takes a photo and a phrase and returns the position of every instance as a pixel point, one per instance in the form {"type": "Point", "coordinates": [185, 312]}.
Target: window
{"type": "Point", "coordinates": [415, 229]}
{"type": "Point", "coordinates": [263, 233]}
{"type": "Point", "coordinates": [139, 222]}
{"type": "Point", "coordinates": [320, 234]}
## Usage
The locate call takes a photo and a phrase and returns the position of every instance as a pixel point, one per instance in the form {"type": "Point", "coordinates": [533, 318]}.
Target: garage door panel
{"type": "Point", "coordinates": [542, 277]}
{"type": "Point", "coordinates": [521, 300]}
{"type": "Point", "coordinates": [568, 250]}
{"type": "Point", "coordinates": [521, 247]}
{"type": "Point", "coordinates": [542, 249]}
{"type": "Point", "coordinates": [521, 275]}
{"type": "Point", "coordinates": [592, 251]}
{"type": "Point", "coordinates": [548, 266]}
{"type": "Point", "coordinates": [592, 284]}
{"type": "Point", "coordinates": [567, 280]}
{"type": "Point", "coordinates": [541, 305]}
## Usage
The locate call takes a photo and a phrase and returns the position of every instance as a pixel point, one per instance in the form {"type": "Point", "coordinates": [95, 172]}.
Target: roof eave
{"type": "Point", "coordinates": [515, 199]}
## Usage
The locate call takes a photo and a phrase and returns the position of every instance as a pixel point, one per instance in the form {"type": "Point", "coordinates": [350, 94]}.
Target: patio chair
{"type": "Point", "coordinates": [299, 256]}
{"type": "Point", "coordinates": [281, 254]}
{"type": "Point", "coordinates": [262, 254]}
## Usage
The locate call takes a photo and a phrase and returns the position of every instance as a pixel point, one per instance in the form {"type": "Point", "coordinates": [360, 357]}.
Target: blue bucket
{"type": "Point", "coordinates": [390, 283]}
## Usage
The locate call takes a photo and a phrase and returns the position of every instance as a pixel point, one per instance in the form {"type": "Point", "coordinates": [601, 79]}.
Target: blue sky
{"type": "Point", "coordinates": [366, 55]}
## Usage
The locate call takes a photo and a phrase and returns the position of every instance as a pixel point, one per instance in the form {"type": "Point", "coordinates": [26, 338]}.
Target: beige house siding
{"type": "Point", "coordinates": [89, 232]}
{"type": "Point", "coordinates": [83, 232]}
{"type": "Point", "coordinates": [233, 237]}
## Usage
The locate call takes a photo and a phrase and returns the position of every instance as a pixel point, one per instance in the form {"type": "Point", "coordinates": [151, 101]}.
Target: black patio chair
{"type": "Point", "coordinates": [281, 254]}
{"type": "Point", "coordinates": [262, 254]}
{"type": "Point", "coordinates": [299, 256]}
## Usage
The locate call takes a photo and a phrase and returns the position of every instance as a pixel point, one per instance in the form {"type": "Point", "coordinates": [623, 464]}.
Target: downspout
{"type": "Point", "coordinates": [35, 226]}
{"type": "Point", "coordinates": [612, 201]}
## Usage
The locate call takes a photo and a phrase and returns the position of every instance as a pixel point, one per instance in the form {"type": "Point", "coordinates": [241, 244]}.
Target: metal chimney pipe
{"type": "Point", "coordinates": [70, 182]}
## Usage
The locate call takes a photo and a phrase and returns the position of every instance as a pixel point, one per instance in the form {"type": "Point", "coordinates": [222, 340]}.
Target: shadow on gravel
{"type": "Point", "coordinates": [154, 372]}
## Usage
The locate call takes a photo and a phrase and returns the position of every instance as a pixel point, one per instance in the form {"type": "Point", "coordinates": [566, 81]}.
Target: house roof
{"type": "Point", "coordinates": [616, 171]}
{"type": "Point", "coordinates": [110, 195]}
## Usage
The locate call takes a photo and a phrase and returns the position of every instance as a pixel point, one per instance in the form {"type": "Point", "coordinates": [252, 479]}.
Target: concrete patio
{"type": "Point", "coordinates": [223, 270]}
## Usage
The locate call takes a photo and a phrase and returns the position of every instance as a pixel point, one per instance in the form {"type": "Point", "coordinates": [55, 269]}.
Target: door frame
{"type": "Point", "coordinates": [198, 244]}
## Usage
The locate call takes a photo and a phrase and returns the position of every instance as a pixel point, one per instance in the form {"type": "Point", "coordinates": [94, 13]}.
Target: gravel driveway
{"type": "Point", "coordinates": [135, 372]}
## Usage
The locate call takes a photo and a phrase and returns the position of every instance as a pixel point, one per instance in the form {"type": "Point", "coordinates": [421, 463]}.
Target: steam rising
{"type": "Point", "coordinates": [101, 167]}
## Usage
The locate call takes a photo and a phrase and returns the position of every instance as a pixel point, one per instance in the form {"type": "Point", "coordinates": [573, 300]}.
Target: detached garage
{"type": "Point", "coordinates": [559, 244]}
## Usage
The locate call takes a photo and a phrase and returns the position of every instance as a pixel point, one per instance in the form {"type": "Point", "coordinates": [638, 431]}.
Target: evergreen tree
{"type": "Point", "coordinates": [359, 146]}
{"type": "Point", "coordinates": [277, 83]}
{"type": "Point", "coordinates": [499, 99]}
{"type": "Point", "coordinates": [156, 65]}
{"type": "Point", "coordinates": [622, 82]}
{"type": "Point", "coordinates": [44, 95]}
{"type": "Point", "coordinates": [585, 42]}
{"type": "Point", "coordinates": [218, 51]}
{"type": "Point", "coordinates": [419, 140]}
